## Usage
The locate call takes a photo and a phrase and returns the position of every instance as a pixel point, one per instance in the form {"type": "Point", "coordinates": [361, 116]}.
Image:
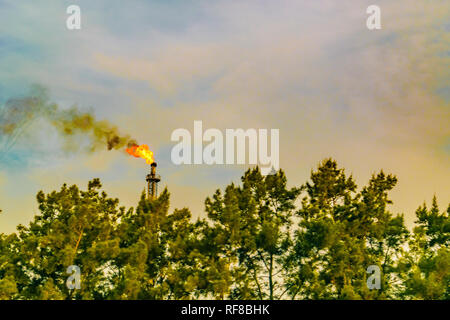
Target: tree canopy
{"type": "Point", "coordinates": [259, 239]}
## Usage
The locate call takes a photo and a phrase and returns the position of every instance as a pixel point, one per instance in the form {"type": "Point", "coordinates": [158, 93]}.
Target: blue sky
{"type": "Point", "coordinates": [371, 99]}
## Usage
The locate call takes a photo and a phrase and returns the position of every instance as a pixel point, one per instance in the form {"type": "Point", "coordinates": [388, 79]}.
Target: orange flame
{"type": "Point", "coordinates": [141, 151]}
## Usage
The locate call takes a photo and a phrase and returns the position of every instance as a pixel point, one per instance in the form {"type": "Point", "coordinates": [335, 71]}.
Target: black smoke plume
{"type": "Point", "coordinates": [18, 113]}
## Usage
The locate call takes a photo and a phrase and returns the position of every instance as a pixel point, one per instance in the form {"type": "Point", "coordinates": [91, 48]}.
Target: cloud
{"type": "Point", "coordinates": [332, 88]}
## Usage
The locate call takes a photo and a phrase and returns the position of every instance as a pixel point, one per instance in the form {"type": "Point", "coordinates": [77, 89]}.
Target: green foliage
{"type": "Point", "coordinates": [73, 228]}
{"type": "Point", "coordinates": [260, 240]}
{"type": "Point", "coordinates": [251, 235]}
{"type": "Point", "coordinates": [341, 232]}
{"type": "Point", "coordinates": [425, 269]}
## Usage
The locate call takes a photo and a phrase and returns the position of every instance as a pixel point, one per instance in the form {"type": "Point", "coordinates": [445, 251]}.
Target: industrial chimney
{"type": "Point", "coordinates": [152, 180]}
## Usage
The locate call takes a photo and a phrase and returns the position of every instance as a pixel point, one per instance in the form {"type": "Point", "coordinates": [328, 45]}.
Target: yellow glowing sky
{"type": "Point", "coordinates": [370, 99]}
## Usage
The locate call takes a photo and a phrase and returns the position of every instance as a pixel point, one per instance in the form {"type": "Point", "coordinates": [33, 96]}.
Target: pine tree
{"type": "Point", "coordinates": [157, 258]}
{"type": "Point", "coordinates": [74, 227]}
{"type": "Point", "coordinates": [425, 269]}
{"type": "Point", "coordinates": [341, 233]}
{"type": "Point", "coordinates": [251, 234]}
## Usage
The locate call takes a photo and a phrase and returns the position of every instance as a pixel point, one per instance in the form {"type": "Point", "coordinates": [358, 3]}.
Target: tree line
{"type": "Point", "coordinates": [259, 240]}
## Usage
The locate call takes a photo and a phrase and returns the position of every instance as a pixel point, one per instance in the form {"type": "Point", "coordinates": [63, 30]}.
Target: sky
{"type": "Point", "coordinates": [372, 100]}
